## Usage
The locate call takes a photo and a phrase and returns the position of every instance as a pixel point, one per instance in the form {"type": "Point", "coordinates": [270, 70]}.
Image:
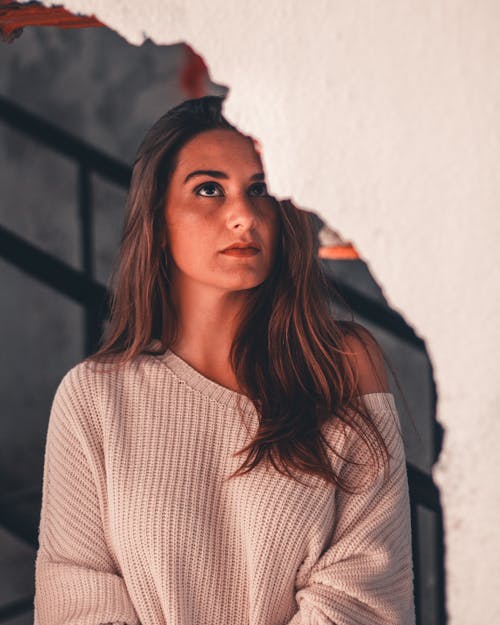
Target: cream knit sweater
{"type": "Point", "coordinates": [138, 525]}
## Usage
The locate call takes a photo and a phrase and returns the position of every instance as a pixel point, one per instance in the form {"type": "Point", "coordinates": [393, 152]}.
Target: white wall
{"type": "Point", "coordinates": [384, 118]}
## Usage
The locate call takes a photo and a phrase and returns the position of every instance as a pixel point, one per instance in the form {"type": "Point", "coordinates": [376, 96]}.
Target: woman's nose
{"type": "Point", "coordinates": [241, 209]}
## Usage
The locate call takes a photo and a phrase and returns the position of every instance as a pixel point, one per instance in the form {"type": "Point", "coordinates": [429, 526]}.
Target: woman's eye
{"type": "Point", "coordinates": [260, 189]}
{"type": "Point", "coordinates": [211, 187]}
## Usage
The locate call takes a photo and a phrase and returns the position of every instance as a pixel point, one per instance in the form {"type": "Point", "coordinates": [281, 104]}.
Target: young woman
{"type": "Point", "coordinates": [220, 344]}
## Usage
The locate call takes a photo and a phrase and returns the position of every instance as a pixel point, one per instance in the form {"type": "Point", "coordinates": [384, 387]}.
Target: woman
{"type": "Point", "coordinates": [147, 514]}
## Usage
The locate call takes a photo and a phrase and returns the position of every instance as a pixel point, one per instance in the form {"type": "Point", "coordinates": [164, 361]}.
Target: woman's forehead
{"type": "Point", "coordinates": [216, 148]}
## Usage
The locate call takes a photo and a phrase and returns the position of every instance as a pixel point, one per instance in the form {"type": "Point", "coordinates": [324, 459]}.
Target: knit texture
{"type": "Point", "coordinates": [139, 526]}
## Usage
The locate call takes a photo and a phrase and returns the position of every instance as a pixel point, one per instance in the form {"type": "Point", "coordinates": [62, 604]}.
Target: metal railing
{"type": "Point", "coordinates": [81, 287]}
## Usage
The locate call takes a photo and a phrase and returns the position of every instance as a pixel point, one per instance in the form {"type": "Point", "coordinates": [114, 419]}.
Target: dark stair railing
{"type": "Point", "coordinates": [81, 287]}
{"type": "Point", "coordinates": [89, 160]}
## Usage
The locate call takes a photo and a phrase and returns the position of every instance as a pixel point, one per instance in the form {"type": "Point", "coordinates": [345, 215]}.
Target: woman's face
{"type": "Point", "coordinates": [216, 197]}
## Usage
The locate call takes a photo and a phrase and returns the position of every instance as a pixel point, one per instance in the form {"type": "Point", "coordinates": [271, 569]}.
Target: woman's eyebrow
{"type": "Point", "coordinates": [218, 174]}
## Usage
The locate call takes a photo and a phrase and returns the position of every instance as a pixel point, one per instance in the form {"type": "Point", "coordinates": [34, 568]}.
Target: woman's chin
{"type": "Point", "coordinates": [243, 284]}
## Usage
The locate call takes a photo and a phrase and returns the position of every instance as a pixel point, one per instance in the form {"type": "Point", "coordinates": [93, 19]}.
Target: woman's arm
{"type": "Point", "coordinates": [365, 574]}
{"type": "Point", "coordinates": [76, 580]}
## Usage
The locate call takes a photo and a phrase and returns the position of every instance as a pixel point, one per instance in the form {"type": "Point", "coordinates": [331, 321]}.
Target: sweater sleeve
{"type": "Point", "coordinates": [365, 574]}
{"type": "Point", "coordinates": [76, 580]}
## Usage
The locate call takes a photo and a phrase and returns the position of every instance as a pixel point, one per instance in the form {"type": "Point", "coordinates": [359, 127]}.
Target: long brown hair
{"type": "Point", "coordinates": [289, 353]}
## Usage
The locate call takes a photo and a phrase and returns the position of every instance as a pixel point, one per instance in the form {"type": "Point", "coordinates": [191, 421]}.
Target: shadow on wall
{"type": "Point", "coordinates": [64, 193]}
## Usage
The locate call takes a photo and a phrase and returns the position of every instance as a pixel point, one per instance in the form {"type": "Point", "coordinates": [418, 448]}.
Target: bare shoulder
{"type": "Point", "coordinates": [365, 355]}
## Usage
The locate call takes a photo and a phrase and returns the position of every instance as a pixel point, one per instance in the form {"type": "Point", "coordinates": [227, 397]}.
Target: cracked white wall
{"type": "Point", "coordinates": [384, 119]}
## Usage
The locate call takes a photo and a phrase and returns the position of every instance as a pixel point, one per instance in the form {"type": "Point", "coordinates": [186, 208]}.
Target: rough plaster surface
{"type": "Point", "coordinates": [383, 118]}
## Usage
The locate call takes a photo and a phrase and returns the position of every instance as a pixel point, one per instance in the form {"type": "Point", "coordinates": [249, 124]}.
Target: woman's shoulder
{"type": "Point", "coordinates": [87, 381]}
{"type": "Point", "coordinates": [91, 389]}
{"type": "Point", "coordinates": [366, 356]}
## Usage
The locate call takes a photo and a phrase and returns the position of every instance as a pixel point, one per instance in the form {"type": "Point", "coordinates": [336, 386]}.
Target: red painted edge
{"type": "Point", "coordinates": [15, 16]}
{"type": "Point", "coordinates": [339, 252]}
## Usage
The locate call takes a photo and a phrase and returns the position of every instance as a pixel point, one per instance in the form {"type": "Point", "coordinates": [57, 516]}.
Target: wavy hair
{"type": "Point", "coordinates": [289, 353]}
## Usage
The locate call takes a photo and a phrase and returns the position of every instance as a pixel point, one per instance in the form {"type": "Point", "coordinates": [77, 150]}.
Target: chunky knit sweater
{"type": "Point", "coordinates": [139, 526]}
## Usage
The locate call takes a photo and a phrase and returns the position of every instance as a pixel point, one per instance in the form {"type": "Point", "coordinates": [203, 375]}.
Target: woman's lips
{"type": "Point", "coordinates": [241, 252]}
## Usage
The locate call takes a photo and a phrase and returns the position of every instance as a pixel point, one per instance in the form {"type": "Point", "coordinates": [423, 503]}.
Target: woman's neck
{"type": "Point", "coordinates": [208, 320]}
